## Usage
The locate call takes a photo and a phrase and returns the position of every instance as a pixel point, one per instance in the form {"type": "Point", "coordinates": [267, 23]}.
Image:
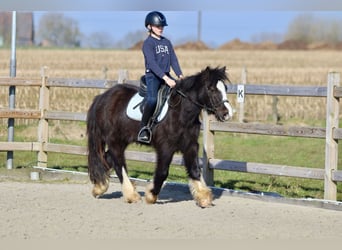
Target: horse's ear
{"type": "Point", "coordinates": [205, 72]}
{"type": "Point", "coordinates": [223, 69]}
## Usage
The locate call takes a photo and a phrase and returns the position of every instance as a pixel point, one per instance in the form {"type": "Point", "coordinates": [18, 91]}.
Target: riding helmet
{"type": "Point", "coordinates": [155, 18]}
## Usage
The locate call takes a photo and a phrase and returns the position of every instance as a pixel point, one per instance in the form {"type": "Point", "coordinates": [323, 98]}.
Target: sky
{"type": "Point", "coordinates": [222, 20]}
{"type": "Point", "coordinates": [217, 27]}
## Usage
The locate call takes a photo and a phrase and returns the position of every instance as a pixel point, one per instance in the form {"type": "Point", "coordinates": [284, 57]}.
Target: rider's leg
{"type": "Point", "coordinates": [152, 84]}
{"type": "Point", "coordinates": [144, 134]}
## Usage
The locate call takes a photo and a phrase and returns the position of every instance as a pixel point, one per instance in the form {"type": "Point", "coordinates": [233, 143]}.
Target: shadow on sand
{"type": "Point", "coordinates": [171, 192]}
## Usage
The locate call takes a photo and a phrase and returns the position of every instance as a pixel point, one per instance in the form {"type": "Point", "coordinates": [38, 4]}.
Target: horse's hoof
{"type": "Point", "coordinates": [201, 193]}
{"type": "Point", "coordinates": [149, 197]}
{"type": "Point", "coordinates": [100, 189]}
{"type": "Point", "coordinates": [205, 203]}
{"type": "Point", "coordinates": [204, 199]}
{"type": "Point", "coordinates": [135, 197]}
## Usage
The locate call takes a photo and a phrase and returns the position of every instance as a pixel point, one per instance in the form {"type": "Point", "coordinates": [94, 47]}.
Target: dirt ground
{"type": "Point", "coordinates": [61, 207]}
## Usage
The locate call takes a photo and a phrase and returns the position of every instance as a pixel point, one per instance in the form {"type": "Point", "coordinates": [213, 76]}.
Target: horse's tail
{"type": "Point", "coordinates": [98, 168]}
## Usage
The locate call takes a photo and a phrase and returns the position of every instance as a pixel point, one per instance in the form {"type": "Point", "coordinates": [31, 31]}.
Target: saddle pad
{"type": "Point", "coordinates": [133, 108]}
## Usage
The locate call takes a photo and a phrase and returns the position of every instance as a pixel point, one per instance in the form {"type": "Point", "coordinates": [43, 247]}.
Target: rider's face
{"type": "Point", "coordinates": [158, 30]}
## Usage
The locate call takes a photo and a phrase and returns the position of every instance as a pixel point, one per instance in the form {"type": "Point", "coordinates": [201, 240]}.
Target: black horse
{"type": "Point", "coordinates": [110, 131]}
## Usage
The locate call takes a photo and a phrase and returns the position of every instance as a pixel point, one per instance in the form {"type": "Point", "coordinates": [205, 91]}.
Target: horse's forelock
{"type": "Point", "coordinates": [220, 73]}
{"type": "Point", "coordinates": [213, 75]}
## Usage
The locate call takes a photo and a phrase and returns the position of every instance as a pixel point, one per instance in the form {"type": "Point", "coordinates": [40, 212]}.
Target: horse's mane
{"type": "Point", "coordinates": [208, 75]}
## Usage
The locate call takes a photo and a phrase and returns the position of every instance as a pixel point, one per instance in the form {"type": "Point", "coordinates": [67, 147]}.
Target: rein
{"type": "Point", "coordinates": [213, 109]}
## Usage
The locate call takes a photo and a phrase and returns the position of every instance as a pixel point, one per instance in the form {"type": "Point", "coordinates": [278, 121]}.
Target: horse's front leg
{"type": "Point", "coordinates": [160, 175]}
{"type": "Point", "coordinates": [200, 191]}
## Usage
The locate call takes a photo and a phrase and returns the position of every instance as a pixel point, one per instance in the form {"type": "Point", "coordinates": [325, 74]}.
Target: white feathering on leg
{"type": "Point", "coordinates": [128, 189]}
{"type": "Point", "coordinates": [201, 193]}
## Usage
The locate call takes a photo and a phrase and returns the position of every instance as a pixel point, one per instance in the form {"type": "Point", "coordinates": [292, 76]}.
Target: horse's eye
{"type": "Point", "coordinates": [212, 89]}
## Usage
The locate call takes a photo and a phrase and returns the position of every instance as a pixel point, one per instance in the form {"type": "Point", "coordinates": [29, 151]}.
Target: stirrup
{"type": "Point", "coordinates": [145, 137]}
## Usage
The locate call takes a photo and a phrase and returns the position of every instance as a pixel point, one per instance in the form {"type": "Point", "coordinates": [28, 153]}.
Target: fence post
{"type": "Point", "coordinates": [331, 145]}
{"type": "Point", "coordinates": [242, 104]}
{"type": "Point", "coordinates": [43, 126]}
{"type": "Point", "coordinates": [275, 114]}
{"type": "Point", "coordinates": [208, 149]}
{"type": "Point", "coordinates": [123, 76]}
{"type": "Point", "coordinates": [11, 96]}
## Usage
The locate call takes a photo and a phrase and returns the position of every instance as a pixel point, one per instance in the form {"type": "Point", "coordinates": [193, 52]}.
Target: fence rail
{"type": "Point", "coordinates": [331, 133]}
{"type": "Point", "coordinates": [281, 90]}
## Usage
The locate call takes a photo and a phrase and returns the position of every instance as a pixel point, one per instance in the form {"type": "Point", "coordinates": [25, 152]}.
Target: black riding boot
{"type": "Point", "coordinates": [145, 133]}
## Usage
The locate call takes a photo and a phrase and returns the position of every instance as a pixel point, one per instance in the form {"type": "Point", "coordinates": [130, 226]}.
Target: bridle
{"type": "Point", "coordinates": [214, 107]}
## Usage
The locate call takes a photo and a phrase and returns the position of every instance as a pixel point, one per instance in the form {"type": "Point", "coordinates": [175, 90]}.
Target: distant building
{"type": "Point", "coordinates": [25, 28]}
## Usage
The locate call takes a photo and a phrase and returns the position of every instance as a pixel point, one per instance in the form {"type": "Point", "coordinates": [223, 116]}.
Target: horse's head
{"type": "Point", "coordinates": [217, 102]}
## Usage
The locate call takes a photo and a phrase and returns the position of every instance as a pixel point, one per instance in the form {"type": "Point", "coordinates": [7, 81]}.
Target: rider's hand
{"type": "Point", "coordinates": [169, 81]}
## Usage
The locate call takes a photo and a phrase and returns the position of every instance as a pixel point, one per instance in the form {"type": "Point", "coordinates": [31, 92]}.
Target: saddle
{"type": "Point", "coordinates": [136, 105]}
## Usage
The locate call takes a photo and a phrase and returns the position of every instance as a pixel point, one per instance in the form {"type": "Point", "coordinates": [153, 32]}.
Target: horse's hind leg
{"type": "Point", "coordinates": [98, 172]}
{"type": "Point", "coordinates": [101, 182]}
{"type": "Point", "coordinates": [129, 192]}
{"type": "Point", "coordinates": [100, 188]}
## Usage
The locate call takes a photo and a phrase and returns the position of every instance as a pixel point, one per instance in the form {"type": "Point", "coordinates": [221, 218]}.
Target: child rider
{"type": "Point", "coordinates": [159, 57]}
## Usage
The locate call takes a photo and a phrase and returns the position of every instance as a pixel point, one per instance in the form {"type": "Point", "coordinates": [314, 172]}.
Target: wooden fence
{"type": "Point", "coordinates": [331, 133]}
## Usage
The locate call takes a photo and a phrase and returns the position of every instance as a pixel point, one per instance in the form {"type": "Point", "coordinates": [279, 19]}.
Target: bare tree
{"type": "Point", "coordinates": [130, 39]}
{"type": "Point", "coordinates": [59, 30]}
{"type": "Point", "coordinates": [302, 28]}
{"type": "Point", "coordinates": [333, 32]}
{"type": "Point", "coordinates": [99, 40]}
{"type": "Point", "coordinates": [308, 28]}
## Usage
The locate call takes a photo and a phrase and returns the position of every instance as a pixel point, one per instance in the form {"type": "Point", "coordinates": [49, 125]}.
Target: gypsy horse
{"type": "Point", "coordinates": [110, 131]}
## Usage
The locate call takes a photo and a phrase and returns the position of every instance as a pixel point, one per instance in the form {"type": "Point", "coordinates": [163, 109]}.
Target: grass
{"type": "Point", "coordinates": [291, 151]}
